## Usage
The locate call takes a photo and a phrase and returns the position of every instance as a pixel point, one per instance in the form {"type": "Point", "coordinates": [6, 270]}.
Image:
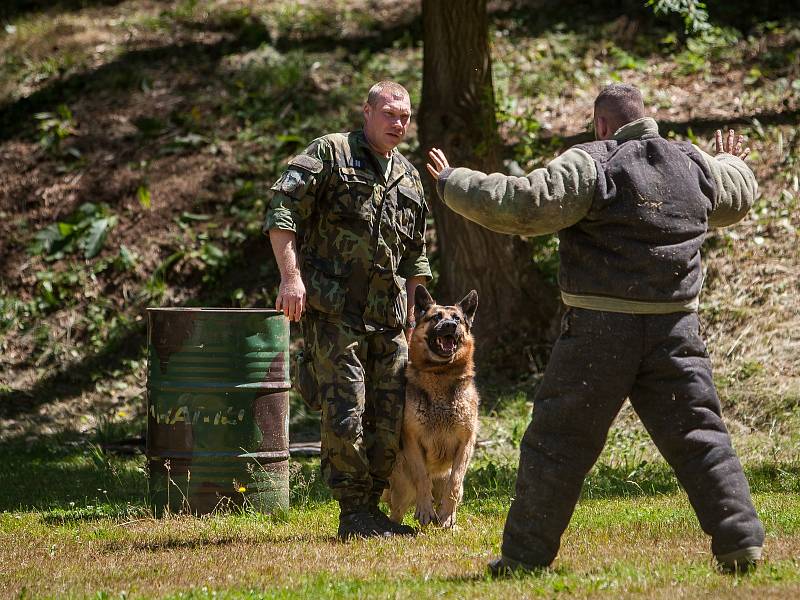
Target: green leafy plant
{"type": "Point", "coordinates": [144, 196]}
{"type": "Point", "coordinates": [150, 127]}
{"type": "Point", "coordinates": [55, 127]}
{"type": "Point", "coordinates": [694, 13]}
{"type": "Point", "coordinates": [625, 60]}
{"type": "Point", "coordinates": [545, 255]}
{"type": "Point", "coordinates": [57, 287]}
{"type": "Point", "coordinates": [86, 229]}
{"type": "Point", "coordinates": [704, 50]}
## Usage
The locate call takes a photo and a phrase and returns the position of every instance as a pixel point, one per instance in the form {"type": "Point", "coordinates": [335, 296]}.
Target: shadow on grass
{"type": "Point", "coordinates": [173, 544]}
{"type": "Point", "coordinates": [76, 483]}
{"type": "Point", "coordinates": [537, 573]}
{"type": "Point", "coordinates": [247, 32]}
{"type": "Point", "coordinates": [226, 540]}
{"type": "Point", "coordinates": [467, 578]}
{"type": "Point", "coordinates": [93, 512]}
{"type": "Point", "coordinates": [741, 14]}
{"type": "Point", "coordinates": [615, 481]}
{"type": "Point", "coordinates": [13, 9]}
{"type": "Point", "coordinates": [79, 483]}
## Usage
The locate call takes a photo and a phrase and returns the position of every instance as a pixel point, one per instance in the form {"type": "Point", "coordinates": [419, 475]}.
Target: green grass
{"type": "Point", "coordinates": [81, 516]}
{"type": "Point", "coordinates": [620, 547]}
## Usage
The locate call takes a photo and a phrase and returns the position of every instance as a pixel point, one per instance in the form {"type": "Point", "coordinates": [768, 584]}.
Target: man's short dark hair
{"type": "Point", "coordinates": [622, 102]}
{"type": "Point", "coordinates": [386, 87]}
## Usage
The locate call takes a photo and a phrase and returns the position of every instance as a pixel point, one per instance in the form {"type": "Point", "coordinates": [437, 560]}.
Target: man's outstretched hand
{"type": "Point", "coordinates": [732, 144]}
{"type": "Point", "coordinates": [438, 163]}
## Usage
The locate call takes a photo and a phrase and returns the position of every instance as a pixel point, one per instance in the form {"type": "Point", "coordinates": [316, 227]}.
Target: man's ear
{"type": "Point", "coordinates": [602, 128]}
{"type": "Point", "coordinates": [469, 304]}
{"type": "Point", "coordinates": [422, 300]}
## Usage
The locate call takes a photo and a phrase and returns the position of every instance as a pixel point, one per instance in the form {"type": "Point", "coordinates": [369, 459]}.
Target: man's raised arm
{"type": "Point", "coordinates": [547, 199]}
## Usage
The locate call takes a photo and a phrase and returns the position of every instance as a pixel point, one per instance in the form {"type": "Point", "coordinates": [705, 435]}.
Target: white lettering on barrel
{"type": "Point", "coordinates": [181, 414]}
{"type": "Point", "coordinates": [192, 415]}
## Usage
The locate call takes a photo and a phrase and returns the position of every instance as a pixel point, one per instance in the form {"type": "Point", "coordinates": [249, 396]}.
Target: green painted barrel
{"type": "Point", "coordinates": [217, 409]}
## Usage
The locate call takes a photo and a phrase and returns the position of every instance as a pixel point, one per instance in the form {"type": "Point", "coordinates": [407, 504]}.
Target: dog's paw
{"type": "Point", "coordinates": [447, 520]}
{"type": "Point", "coordinates": [426, 515]}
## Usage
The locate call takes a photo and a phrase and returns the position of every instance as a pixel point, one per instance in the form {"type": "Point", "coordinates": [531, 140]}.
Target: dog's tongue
{"type": "Point", "coordinates": [448, 343]}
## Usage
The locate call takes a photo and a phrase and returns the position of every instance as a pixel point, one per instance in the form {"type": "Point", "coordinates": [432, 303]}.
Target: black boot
{"type": "Point", "coordinates": [387, 524]}
{"type": "Point", "coordinates": [503, 567]}
{"type": "Point", "coordinates": [359, 524]}
{"type": "Point", "coordinates": [740, 561]}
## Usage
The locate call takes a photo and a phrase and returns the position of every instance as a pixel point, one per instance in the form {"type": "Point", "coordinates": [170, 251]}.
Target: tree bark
{"type": "Point", "coordinates": [457, 114]}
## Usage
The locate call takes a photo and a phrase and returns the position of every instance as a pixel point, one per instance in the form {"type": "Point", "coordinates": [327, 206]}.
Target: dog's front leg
{"type": "Point", "coordinates": [454, 490]}
{"type": "Point", "coordinates": [421, 480]}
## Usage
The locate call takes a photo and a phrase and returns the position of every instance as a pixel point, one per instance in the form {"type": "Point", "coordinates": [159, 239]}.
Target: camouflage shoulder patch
{"type": "Point", "coordinates": [290, 181]}
{"type": "Point", "coordinates": [309, 163]}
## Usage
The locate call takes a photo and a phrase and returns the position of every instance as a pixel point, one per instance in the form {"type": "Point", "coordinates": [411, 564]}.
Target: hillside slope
{"type": "Point", "coordinates": [137, 139]}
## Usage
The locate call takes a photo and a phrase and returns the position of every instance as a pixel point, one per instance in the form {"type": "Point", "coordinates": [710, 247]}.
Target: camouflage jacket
{"type": "Point", "coordinates": [360, 235]}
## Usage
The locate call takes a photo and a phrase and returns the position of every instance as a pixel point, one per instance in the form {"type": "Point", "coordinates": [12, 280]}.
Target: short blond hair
{"type": "Point", "coordinates": [386, 88]}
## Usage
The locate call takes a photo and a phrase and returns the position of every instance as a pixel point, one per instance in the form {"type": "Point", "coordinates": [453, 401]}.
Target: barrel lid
{"type": "Point", "coordinates": [203, 309]}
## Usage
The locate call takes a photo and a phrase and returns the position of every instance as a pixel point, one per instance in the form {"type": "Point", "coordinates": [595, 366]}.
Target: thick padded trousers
{"type": "Point", "coordinates": [660, 363]}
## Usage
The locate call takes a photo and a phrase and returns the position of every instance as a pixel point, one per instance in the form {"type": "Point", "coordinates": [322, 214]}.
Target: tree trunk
{"type": "Point", "coordinates": [457, 114]}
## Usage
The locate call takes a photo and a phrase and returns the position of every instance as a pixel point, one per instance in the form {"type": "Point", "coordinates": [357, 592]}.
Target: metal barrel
{"type": "Point", "coordinates": [217, 409]}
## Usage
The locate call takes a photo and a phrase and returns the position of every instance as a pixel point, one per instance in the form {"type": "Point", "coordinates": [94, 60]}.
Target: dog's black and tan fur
{"type": "Point", "coordinates": [440, 422]}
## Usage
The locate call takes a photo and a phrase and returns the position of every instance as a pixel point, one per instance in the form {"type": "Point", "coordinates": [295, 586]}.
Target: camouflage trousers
{"type": "Point", "coordinates": [361, 387]}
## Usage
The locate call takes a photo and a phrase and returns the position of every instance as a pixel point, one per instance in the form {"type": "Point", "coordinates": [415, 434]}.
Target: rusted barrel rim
{"type": "Point", "coordinates": [266, 311]}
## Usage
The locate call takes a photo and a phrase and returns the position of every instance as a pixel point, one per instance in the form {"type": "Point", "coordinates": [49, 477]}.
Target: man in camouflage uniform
{"type": "Point", "coordinates": [347, 226]}
{"type": "Point", "coordinates": [631, 210]}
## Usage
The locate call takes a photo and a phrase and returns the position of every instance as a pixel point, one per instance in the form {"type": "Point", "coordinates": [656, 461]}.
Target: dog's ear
{"type": "Point", "coordinates": [422, 300]}
{"type": "Point", "coordinates": [469, 304]}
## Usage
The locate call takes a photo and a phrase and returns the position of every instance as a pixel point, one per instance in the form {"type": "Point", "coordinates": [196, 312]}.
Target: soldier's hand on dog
{"type": "Point", "coordinates": [291, 297]}
{"type": "Point", "coordinates": [439, 161]}
{"type": "Point", "coordinates": [732, 144]}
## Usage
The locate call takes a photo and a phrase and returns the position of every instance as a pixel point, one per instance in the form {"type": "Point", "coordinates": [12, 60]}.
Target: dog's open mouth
{"type": "Point", "coordinates": [443, 345]}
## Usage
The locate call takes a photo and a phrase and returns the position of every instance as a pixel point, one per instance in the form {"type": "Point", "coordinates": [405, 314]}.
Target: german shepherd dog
{"type": "Point", "coordinates": [440, 421]}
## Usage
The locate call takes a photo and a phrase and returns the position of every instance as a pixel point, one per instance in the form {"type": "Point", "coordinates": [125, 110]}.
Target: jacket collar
{"type": "Point", "coordinates": [398, 168]}
{"type": "Point", "coordinates": [362, 142]}
{"type": "Point", "coordinates": [645, 127]}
